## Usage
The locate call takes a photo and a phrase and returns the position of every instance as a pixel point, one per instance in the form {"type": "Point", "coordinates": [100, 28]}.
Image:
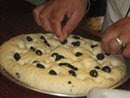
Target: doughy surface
{"type": "Point", "coordinates": [71, 67]}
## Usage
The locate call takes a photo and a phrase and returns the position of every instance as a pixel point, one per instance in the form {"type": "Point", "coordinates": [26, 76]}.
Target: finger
{"type": "Point", "coordinates": [45, 24]}
{"type": "Point", "coordinates": [44, 18]}
{"type": "Point", "coordinates": [36, 13]}
{"type": "Point", "coordinates": [126, 51]}
{"type": "Point", "coordinates": [113, 46]}
{"type": "Point", "coordinates": [71, 24]}
{"type": "Point", "coordinates": [109, 34]}
{"type": "Point", "coordinates": [56, 21]}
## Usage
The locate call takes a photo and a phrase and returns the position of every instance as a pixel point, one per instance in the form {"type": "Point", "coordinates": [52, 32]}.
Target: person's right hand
{"type": "Point", "coordinates": [51, 15]}
{"type": "Point", "coordinates": [120, 29]}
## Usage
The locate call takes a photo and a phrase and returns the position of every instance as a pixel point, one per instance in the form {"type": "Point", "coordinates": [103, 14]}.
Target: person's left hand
{"type": "Point", "coordinates": [119, 29]}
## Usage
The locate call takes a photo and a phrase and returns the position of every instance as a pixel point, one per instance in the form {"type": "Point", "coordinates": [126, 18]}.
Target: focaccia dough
{"type": "Point", "coordinates": [74, 66]}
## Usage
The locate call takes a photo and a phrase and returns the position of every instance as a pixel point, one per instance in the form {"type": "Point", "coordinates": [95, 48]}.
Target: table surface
{"type": "Point", "coordinates": [16, 19]}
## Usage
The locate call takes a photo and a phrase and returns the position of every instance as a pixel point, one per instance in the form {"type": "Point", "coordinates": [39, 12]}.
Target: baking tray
{"type": "Point", "coordinates": [7, 75]}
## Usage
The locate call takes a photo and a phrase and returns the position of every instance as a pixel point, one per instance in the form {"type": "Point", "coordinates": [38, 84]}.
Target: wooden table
{"type": "Point", "coordinates": [16, 18]}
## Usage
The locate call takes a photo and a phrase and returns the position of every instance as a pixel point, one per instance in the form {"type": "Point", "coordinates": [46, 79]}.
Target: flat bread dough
{"type": "Point", "coordinates": [74, 66]}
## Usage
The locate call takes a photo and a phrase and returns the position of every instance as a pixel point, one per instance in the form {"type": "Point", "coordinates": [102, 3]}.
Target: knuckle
{"type": "Point", "coordinates": [43, 16]}
{"type": "Point", "coordinates": [36, 10]}
{"type": "Point", "coordinates": [113, 47]}
{"type": "Point", "coordinates": [54, 20]}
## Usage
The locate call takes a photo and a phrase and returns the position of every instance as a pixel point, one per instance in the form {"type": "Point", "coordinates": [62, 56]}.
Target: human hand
{"type": "Point", "coordinates": [51, 15]}
{"type": "Point", "coordinates": [119, 29]}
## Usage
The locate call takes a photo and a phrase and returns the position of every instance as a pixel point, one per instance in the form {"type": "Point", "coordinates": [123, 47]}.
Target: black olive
{"type": "Point", "coordinates": [94, 73]}
{"type": "Point", "coordinates": [72, 67]}
{"type": "Point", "coordinates": [63, 64]}
{"type": "Point", "coordinates": [57, 56]}
{"type": "Point", "coordinates": [54, 54]}
{"type": "Point", "coordinates": [32, 48]}
{"type": "Point", "coordinates": [97, 67]}
{"type": "Point", "coordinates": [42, 37]}
{"type": "Point", "coordinates": [76, 37]}
{"type": "Point", "coordinates": [78, 54]}
{"type": "Point", "coordinates": [72, 72]}
{"type": "Point", "coordinates": [38, 52]}
{"type": "Point", "coordinates": [40, 65]}
{"type": "Point", "coordinates": [106, 69]}
{"type": "Point", "coordinates": [108, 54]}
{"type": "Point", "coordinates": [46, 42]}
{"type": "Point", "coordinates": [69, 65]}
{"type": "Point", "coordinates": [93, 46]}
{"type": "Point", "coordinates": [76, 44]}
{"type": "Point", "coordinates": [69, 82]}
{"type": "Point", "coordinates": [64, 42]}
{"type": "Point", "coordinates": [100, 56]}
{"type": "Point", "coordinates": [29, 38]}
{"type": "Point", "coordinates": [17, 56]}
{"type": "Point", "coordinates": [52, 72]}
